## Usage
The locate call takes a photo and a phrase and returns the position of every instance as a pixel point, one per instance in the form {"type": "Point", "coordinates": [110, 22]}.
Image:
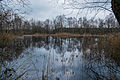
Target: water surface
{"type": "Point", "coordinates": [54, 58]}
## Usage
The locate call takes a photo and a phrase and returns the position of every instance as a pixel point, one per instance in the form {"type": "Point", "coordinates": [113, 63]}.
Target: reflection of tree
{"type": "Point", "coordinates": [15, 48]}
{"type": "Point", "coordinates": [12, 50]}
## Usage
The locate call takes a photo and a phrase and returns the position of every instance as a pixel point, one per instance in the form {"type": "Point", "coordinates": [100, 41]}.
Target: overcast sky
{"type": "Point", "coordinates": [49, 9]}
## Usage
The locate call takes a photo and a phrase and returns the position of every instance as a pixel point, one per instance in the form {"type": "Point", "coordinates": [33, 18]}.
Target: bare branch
{"type": "Point", "coordinates": [94, 4]}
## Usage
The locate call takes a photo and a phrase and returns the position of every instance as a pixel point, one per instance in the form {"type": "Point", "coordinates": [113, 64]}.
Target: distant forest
{"type": "Point", "coordinates": [18, 25]}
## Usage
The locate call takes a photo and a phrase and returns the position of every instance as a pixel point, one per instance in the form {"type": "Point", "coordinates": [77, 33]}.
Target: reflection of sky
{"type": "Point", "coordinates": [64, 65]}
{"type": "Point", "coordinates": [43, 9]}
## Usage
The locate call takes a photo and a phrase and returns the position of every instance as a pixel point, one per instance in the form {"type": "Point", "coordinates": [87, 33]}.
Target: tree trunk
{"type": "Point", "coordinates": [116, 9]}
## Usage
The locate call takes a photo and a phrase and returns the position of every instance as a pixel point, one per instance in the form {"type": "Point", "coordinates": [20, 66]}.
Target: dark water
{"type": "Point", "coordinates": [52, 58]}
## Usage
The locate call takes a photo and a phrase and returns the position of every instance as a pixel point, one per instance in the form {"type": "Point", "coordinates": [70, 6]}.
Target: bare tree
{"type": "Point", "coordinates": [9, 10]}
{"type": "Point", "coordinates": [116, 9]}
{"type": "Point", "coordinates": [95, 5]}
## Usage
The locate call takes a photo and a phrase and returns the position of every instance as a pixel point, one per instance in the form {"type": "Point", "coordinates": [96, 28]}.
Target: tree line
{"type": "Point", "coordinates": [13, 23]}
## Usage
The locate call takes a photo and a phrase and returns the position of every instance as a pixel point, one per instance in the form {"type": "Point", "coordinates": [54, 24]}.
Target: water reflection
{"type": "Point", "coordinates": [54, 58]}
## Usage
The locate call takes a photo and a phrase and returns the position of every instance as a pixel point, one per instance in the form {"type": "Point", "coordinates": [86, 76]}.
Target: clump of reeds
{"type": "Point", "coordinates": [113, 47]}
{"type": "Point", "coordinates": [6, 38]}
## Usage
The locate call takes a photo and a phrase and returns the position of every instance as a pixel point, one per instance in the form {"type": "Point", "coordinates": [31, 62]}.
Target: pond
{"type": "Point", "coordinates": [55, 58]}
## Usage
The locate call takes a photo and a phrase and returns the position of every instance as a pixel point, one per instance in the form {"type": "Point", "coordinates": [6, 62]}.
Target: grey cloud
{"type": "Point", "coordinates": [44, 9]}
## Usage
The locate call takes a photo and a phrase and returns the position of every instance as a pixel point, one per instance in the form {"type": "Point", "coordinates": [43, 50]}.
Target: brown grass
{"type": "Point", "coordinates": [65, 35]}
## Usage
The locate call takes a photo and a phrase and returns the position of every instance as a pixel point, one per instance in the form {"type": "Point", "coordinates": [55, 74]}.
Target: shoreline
{"type": "Point", "coordinates": [62, 35]}
{"type": "Point", "coordinates": [65, 35]}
